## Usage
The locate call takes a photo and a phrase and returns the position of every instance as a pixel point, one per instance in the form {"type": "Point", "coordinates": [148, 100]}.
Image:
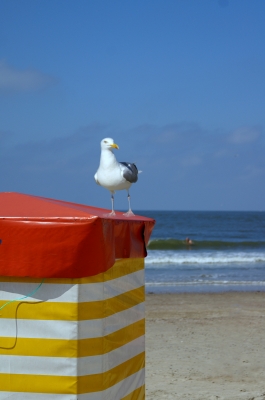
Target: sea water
{"type": "Point", "coordinates": [227, 254]}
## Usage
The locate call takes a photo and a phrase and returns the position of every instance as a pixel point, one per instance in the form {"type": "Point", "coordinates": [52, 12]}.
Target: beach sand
{"type": "Point", "coordinates": [205, 346]}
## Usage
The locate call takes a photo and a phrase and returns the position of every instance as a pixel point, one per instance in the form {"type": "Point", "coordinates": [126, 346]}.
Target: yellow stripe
{"type": "Point", "coordinates": [71, 384]}
{"type": "Point", "coordinates": [71, 348]}
{"type": "Point", "coordinates": [121, 267]}
{"type": "Point", "coordinates": [73, 311]}
{"type": "Point", "coordinates": [138, 394]}
{"type": "Point", "coordinates": [38, 384]}
{"type": "Point", "coordinates": [97, 346]}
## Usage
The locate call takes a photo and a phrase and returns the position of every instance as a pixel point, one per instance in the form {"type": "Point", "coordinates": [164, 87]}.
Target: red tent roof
{"type": "Point", "coordinates": [41, 237]}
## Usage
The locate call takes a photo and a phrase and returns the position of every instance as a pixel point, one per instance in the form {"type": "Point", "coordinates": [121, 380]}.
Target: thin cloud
{"type": "Point", "coordinates": [191, 161]}
{"type": "Point", "coordinates": [245, 134]}
{"type": "Point", "coordinates": [177, 161]}
{"type": "Point", "coordinates": [28, 80]}
{"type": "Point", "coordinates": [72, 152]}
{"type": "Point", "coordinates": [178, 132]}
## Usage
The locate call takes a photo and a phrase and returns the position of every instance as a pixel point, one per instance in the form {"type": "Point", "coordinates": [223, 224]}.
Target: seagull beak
{"type": "Point", "coordinates": [114, 146]}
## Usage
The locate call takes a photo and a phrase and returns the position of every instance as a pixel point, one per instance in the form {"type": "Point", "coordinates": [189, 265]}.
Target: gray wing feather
{"type": "Point", "coordinates": [130, 172]}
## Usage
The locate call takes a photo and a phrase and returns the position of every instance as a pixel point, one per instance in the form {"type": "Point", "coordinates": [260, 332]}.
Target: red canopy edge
{"type": "Point", "coordinates": [49, 238]}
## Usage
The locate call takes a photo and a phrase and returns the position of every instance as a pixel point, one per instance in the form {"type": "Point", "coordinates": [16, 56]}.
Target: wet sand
{"type": "Point", "coordinates": [205, 346]}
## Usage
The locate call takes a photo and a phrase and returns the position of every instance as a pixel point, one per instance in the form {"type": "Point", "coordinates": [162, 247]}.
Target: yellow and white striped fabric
{"type": "Point", "coordinates": [75, 338]}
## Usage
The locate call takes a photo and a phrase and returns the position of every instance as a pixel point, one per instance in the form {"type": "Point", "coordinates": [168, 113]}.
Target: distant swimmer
{"type": "Point", "coordinates": [189, 241]}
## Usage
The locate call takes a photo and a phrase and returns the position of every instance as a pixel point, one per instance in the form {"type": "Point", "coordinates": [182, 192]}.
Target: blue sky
{"type": "Point", "coordinates": [178, 84]}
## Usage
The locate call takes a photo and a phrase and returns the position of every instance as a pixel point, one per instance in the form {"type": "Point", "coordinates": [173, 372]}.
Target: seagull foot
{"type": "Point", "coordinates": [129, 214]}
{"type": "Point", "coordinates": [111, 214]}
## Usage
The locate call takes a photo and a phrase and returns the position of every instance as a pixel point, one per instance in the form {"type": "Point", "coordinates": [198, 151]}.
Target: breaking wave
{"type": "Point", "coordinates": [190, 257]}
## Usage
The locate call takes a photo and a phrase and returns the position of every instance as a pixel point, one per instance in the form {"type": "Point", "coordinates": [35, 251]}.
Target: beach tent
{"type": "Point", "coordinates": [71, 301]}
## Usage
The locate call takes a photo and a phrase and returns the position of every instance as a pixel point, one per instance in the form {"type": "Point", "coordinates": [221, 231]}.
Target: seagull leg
{"type": "Point", "coordinates": [129, 212]}
{"type": "Point", "coordinates": [112, 205]}
{"type": "Point", "coordinates": [112, 213]}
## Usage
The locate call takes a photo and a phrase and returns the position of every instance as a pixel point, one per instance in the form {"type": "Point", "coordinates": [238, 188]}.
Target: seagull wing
{"type": "Point", "coordinates": [129, 171]}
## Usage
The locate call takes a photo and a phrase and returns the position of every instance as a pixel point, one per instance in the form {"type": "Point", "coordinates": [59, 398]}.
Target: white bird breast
{"type": "Point", "coordinates": [112, 179]}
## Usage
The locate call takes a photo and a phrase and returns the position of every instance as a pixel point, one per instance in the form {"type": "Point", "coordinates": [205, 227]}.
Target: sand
{"type": "Point", "coordinates": [205, 346]}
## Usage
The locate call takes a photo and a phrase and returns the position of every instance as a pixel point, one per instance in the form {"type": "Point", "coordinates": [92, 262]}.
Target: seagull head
{"type": "Point", "coordinates": [108, 144]}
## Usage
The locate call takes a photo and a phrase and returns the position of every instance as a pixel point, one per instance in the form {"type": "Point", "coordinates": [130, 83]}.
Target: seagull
{"type": "Point", "coordinates": [114, 175]}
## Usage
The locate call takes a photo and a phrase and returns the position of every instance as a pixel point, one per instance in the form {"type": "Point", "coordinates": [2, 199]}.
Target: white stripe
{"type": "Point", "coordinates": [47, 292]}
{"type": "Point", "coordinates": [38, 329]}
{"type": "Point", "coordinates": [70, 330]}
{"type": "Point", "coordinates": [38, 365]}
{"type": "Point", "coordinates": [60, 366]}
{"type": "Point", "coordinates": [36, 396]}
{"type": "Point", "coordinates": [116, 392]}
{"type": "Point", "coordinates": [112, 288]}
{"type": "Point", "coordinates": [72, 293]}
{"type": "Point", "coordinates": [87, 329]}
{"type": "Point", "coordinates": [98, 364]}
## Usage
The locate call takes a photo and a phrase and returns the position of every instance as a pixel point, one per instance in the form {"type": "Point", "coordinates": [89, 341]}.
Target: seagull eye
{"type": "Point", "coordinates": [105, 141]}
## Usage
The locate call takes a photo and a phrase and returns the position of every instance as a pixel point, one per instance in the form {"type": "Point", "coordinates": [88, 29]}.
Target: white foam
{"type": "Point", "coordinates": [192, 257]}
{"type": "Point", "coordinates": [196, 283]}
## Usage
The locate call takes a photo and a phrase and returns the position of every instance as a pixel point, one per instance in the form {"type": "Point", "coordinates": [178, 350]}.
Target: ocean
{"type": "Point", "coordinates": [227, 254]}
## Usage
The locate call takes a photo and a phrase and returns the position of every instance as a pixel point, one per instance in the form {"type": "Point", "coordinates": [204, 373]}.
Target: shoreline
{"type": "Point", "coordinates": [203, 289]}
{"type": "Point", "coordinates": [204, 346]}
